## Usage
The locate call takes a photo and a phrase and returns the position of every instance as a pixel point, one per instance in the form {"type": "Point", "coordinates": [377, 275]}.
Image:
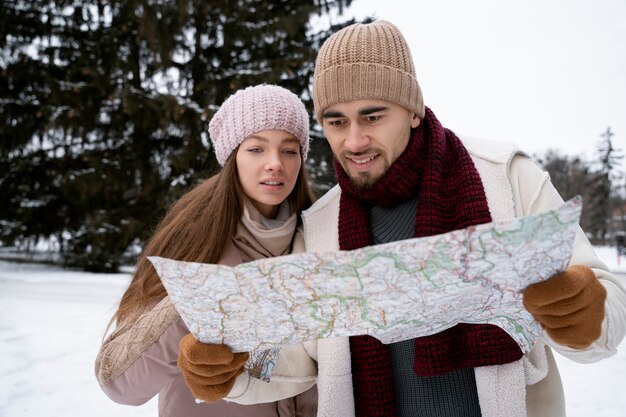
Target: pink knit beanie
{"type": "Point", "coordinates": [253, 109]}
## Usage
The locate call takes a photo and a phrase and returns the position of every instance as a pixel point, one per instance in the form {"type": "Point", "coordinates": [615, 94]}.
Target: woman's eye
{"type": "Point", "coordinates": [255, 150]}
{"type": "Point", "coordinates": [291, 152]}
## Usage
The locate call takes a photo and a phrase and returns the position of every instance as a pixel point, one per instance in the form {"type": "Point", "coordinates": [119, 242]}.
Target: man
{"type": "Point", "coordinates": [401, 174]}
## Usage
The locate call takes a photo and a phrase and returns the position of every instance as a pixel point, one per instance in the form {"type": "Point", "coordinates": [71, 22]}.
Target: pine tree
{"type": "Point", "coordinates": [607, 161]}
{"type": "Point", "coordinates": [571, 176]}
{"type": "Point", "coordinates": [104, 106]}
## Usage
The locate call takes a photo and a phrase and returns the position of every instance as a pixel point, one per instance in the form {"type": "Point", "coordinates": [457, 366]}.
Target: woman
{"type": "Point", "coordinates": [249, 210]}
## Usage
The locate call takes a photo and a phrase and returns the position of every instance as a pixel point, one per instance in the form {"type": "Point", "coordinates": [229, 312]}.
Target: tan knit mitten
{"type": "Point", "coordinates": [209, 370]}
{"type": "Point", "coordinates": [569, 306]}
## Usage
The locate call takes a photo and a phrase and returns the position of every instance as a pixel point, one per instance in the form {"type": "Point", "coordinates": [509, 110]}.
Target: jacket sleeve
{"type": "Point", "coordinates": [535, 193]}
{"type": "Point", "coordinates": [139, 358]}
{"type": "Point", "coordinates": [294, 373]}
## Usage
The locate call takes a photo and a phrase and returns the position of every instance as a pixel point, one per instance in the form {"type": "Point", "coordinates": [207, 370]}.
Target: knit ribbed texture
{"type": "Point", "coordinates": [366, 61]}
{"type": "Point", "coordinates": [253, 109]}
{"type": "Point", "coordinates": [393, 223]}
{"type": "Point", "coordinates": [435, 167]}
{"type": "Point", "coordinates": [464, 346]}
{"type": "Point", "coordinates": [451, 395]}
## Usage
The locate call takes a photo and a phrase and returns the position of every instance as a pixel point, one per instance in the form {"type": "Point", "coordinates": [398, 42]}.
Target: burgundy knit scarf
{"type": "Point", "coordinates": [437, 169]}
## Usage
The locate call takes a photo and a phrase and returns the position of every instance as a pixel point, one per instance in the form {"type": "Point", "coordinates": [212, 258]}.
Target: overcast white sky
{"type": "Point", "coordinates": [543, 74]}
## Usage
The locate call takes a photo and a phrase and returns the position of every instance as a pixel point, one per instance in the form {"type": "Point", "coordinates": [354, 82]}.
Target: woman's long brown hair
{"type": "Point", "coordinates": [197, 228]}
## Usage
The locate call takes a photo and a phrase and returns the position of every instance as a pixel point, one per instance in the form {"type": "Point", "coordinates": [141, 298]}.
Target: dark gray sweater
{"type": "Point", "coordinates": [450, 395]}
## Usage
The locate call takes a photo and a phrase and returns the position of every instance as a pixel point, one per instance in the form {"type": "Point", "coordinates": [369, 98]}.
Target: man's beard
{"type": "Point", "coordinates": [364, 181]}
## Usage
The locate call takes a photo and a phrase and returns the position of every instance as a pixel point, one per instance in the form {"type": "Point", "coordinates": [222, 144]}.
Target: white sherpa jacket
{"type": "Point", "coordinates": [515, 186]}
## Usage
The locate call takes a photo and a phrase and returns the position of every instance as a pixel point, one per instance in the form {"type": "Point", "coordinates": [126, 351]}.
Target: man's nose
{"type": "Point", "coordinates": [357, 140]}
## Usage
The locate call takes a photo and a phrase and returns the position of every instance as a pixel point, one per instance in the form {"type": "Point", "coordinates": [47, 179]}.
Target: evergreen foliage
{"type": "Point", "coordinates": [104, 106]}
{"type": "Point", "coordinates": [596, 180]}
{"type": "Point", "coordinates": [607, 160]}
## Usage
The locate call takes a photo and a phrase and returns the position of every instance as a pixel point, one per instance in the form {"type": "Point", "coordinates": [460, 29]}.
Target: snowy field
{"type": "Point", "coordinates": [53, 321]}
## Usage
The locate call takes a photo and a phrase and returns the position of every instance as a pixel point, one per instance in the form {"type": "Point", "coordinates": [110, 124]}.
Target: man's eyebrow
{"type": "Point", "coordinates": [373, 109]}
{"type": "Point", "coordinates": [363, 112]}
{"type": "Point", "coordinates": [332, 114]}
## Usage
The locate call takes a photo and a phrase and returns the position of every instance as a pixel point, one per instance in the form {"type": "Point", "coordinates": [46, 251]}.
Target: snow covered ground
{"type": "Point", "coordinates": [53, 321]}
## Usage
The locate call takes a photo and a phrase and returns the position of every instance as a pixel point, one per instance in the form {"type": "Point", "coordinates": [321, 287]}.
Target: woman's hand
{"type": "Point", "coordinates": [209, 370]}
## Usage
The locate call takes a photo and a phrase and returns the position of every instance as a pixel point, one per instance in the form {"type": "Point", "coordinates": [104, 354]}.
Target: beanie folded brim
{"type": "Point", "coordinates": [355, 81]}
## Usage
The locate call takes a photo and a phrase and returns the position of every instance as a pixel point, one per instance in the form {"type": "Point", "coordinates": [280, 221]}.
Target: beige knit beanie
{"type": "Point", "coordinates": [370, 61]}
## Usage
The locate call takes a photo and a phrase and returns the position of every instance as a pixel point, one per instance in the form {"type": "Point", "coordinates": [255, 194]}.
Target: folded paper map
{"type": "Point", "coordinates": [393, 292]}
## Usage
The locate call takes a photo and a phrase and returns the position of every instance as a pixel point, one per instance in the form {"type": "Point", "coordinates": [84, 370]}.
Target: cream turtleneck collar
{"type": "Point", "coordinates": [258, 237]}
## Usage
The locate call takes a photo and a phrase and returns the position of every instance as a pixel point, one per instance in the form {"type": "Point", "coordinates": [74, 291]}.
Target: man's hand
{"type": "Point", "coordinates": [569, 306]}
{"type": "Point", "coordinates": [209, 370]}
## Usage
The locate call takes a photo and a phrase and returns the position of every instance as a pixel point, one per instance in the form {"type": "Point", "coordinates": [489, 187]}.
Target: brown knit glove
{"type": "Point", "coordinates": [569, 306]}
{"type": "Point", "coordinates": [209, 370]}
